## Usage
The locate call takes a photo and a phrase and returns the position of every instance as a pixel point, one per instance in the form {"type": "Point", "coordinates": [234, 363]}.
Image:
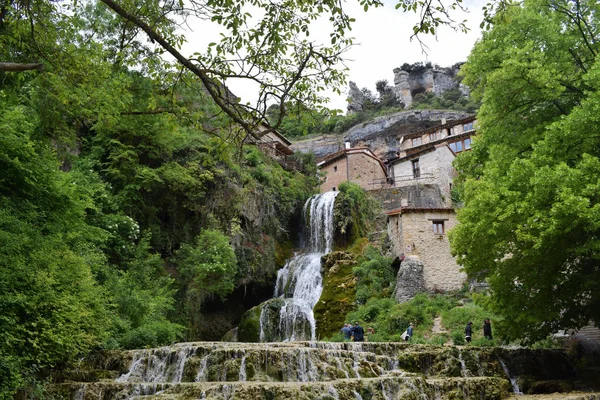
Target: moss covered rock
{"type": "Point", "coordinates": [249, 327]}
{"type": "Point", "coordinates": [339, 292]}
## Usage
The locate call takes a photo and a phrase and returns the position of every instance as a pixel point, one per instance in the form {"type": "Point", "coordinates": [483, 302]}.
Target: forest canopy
{"type": "Point", "coordinates": [531, 218]}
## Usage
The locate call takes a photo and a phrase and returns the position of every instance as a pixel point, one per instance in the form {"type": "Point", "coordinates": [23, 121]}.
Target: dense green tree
{"type": "Point", "coordinates": [531, 217]}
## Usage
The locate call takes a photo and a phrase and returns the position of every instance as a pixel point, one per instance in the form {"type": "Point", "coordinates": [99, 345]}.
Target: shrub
{"type": "Point", "coordinates": [375, 274]}
{"type": "Point", "coordinates": [210, 264]}
{"type": "Point", "coordinates": [456, 319]}
{"type": "Point", "coordinates": [153, 334]}
{"type": "Point", "coordinates": [458, 338]}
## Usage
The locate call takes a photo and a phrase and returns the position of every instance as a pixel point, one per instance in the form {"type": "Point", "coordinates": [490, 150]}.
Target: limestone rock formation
{"type": "Point", "coordinates": [408, 84]}
{"type": "Point", "coordinates": [382, 134]}
{"type": "Point", "coordinates": [401, 87]}
{"type": "Point", "coordinates": [356, 99]}
{"type": "Point", "coordinates": [410, 280]}
{"type": "Point", "coordinates": [321, 370]}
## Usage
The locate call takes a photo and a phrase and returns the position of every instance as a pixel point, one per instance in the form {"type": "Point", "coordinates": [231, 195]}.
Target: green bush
{"type": "Point", "coordinates": [455, 319]}
{"type": "Point", "coordinates": [458, 338]}
{"type": "Point", "coordinates": [153, 334]}
{"type": "Point", "coordinates": [209, 265]}
{"type": "Point", "coordinates": [355, 211]}
{"type": "Point", "coordinates": [375, 274]}
{"type": "Point", "coordinates": [390, 319]}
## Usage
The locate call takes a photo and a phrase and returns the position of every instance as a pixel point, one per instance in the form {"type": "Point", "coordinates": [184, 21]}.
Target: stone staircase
{"type": "Point", "coordinates": [318, 370]}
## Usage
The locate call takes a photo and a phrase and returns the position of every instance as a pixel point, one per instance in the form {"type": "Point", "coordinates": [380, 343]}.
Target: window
{"type": "Point", "coordinates": [457, 147]}
{"type": "Point", "coordinates": [434, 136]}
{"type": "Point", "coordinates": [416, 141]}
{"type": "Point", "coordinates": [416, 168]}
{"type": "Point", "coordinates": [468, 127]}
{"type": "Point", "coordinates": [438, 227]}
{"type": "Point", "coordinates": [335, 168]}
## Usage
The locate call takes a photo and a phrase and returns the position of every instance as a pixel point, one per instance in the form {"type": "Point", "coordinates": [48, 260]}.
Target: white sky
{"type": "Point", "coordinates": [382, 37]}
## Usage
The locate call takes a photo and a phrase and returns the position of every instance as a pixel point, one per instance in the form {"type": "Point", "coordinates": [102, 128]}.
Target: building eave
{"type": "Point", "coordinates": [399, 211]}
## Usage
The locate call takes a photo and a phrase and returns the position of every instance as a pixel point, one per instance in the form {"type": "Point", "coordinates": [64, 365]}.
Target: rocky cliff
{"type": "Point", "coordinates": [382, 134]}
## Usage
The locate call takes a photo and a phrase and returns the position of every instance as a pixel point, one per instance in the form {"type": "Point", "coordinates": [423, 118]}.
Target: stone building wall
{"type": "Point", "coordinates": [392, 198]}
{"type": "Point", "coordinates": [411, 234]}
{"type": "Point", "coordinates": [436, 169]}
{"type": "Point", "coordinates": [364, 170]}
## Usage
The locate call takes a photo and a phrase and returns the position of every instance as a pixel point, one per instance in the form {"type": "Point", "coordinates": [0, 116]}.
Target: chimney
{"type": "Point", "coordinates": [443, 121]}
{"type": "Point", "coordinates": [347, 145]}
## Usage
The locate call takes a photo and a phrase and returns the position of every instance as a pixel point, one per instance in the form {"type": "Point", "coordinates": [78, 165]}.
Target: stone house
{"type": "Point", "coordinates": [422, 175]}
{"type": "Point", "coordinates": [358, 165]}
{"type": "Point", "coordinates": [274, 144]}
{"type": "Point", "coordinates": [425, 158]}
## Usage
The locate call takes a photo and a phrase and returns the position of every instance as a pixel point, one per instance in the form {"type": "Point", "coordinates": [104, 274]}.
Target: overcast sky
{"type": "Point", "coordinates": [382, 37]}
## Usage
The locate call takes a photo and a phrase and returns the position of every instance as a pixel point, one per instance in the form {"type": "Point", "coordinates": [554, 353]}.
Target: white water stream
{"type": "Point", "coordinates": [299, 282]}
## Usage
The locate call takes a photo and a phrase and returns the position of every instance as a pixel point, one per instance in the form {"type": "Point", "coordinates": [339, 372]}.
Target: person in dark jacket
{"type": "Point", "coordinates": [346, 332]}
{"type": "Point", "coordinates": [487, 329]}
{"type": "Point", "coordinates": [469, 331]}
{"type": "Point", "coordinates": [358, 332]}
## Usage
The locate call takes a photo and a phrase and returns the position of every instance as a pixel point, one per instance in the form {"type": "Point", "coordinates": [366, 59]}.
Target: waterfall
{"type": "Point", "coordinates": [513, 381]}
{"type": "Point", "coordinates": [299, 283]}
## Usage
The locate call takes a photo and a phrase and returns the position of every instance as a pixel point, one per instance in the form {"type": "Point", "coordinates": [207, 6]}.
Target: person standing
{"type": "Point", "coordinates": [487, 329]}
{"type": "Point", "coordinates": [409, 332]}
{"type": "Point", "coordinates": [358, 332]}
{"type": "Point", "coordinates": [346, 332]}
{"type": "Point", "coordinates": [469, 331]}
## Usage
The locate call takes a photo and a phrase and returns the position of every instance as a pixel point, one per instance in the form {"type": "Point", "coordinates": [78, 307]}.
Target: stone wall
{"type": "Point", "coordinates": [428, 196]}
{"type": "Point", "coordinates": [411, 234]}
{"type": "Point", "coordinates": [436, 169]}
{"type": "Point", "coordinates": [363, 170]}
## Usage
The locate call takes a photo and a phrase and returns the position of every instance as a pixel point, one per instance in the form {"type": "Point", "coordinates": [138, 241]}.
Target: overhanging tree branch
{"type": "Point", "coordinates": [214, 89]}
{"type": "Point", "coordinates": [20, 67]}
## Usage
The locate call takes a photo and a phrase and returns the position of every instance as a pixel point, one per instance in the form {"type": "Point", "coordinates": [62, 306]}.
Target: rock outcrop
{"type": "Point", "coordinates": [410, 280]}
{"type": "Point", "coordinates": [339, 293]}
{"type": "Point", "coordinates": [407, 84]}
{"type": "Point", "coordinates": [356, 99]}
{"type": "Point", "coordinates": [382, 134]}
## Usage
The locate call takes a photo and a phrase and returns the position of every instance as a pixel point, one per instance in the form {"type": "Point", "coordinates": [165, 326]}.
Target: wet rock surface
{"type": "Point", "coordinates": [315, 370]}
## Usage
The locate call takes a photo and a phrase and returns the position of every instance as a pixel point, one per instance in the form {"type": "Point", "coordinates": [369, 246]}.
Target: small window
{"type": "Point", "coordinates": [416, 168]}
{"type": "Point", "coordinates": [433, 136]}
{"type": "Point", "coordinates": [459, 147]}
{"type": "Point", "coordinates": [438, 227]}
{"type": "Point", "coordinates": [335, 168]}
{"type": "Point", "coordinates": [452, 146]}
{"type": "Point", "coordinates": [468, 127]}
{"type": "Point", "coordinates": [416, 141]}
{"type": "Point", "coordinates": [467, 144]}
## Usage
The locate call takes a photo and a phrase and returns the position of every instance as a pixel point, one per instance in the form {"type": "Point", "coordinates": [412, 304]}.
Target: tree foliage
{"type": "Point", "coordinates": [531, 220]}
{"type": "Point", "coordinates": [111, 169]}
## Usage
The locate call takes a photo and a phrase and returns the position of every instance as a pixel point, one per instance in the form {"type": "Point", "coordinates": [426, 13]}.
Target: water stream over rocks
{"type": "Point", "coordinates": [285, 362]}
{"type": "Point", "coordinates": [299, 282]}
{"type": "Point", "coordinates": [315, 370]}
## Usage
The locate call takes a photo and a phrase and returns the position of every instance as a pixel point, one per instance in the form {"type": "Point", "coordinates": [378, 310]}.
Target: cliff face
{"type": "Point", "coordinates": [382, 134]}
{"type": "Point", "coordinates": [409, 84]}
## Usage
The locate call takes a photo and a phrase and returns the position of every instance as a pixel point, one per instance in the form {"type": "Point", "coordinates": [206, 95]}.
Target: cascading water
{"type": "Point", "coordinates": [299, 282]}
